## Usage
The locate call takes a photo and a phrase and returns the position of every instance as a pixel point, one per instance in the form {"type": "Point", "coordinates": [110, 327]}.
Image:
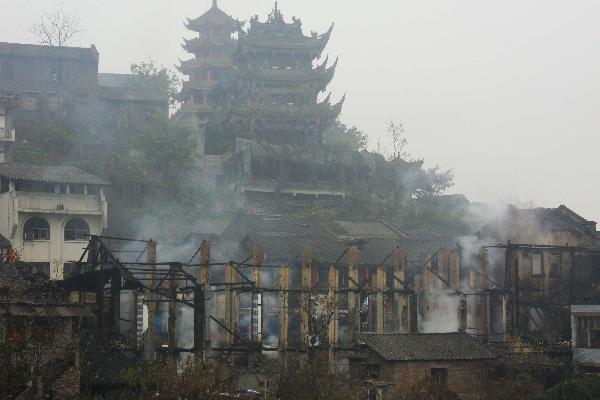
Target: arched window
{"type": "Point", "coordinates": [77, 229]}
{"type": "Point", "coordinates": [36, 228]}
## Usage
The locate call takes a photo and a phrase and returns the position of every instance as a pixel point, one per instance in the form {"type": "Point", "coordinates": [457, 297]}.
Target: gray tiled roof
{"type": "Point", "coordinates": [48, 173]}
{"type": "Point", "coordinates": [426, 347]}
{"type": "Point", "coordinates": [36, 50]}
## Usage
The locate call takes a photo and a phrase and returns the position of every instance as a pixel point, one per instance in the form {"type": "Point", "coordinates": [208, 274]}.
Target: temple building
{"type": "Point", "coordinates": [263, 98]}
{"type": "Point", "coordinates": [212, 65]}
{"type": "Point", "coordinates": [276, 93]}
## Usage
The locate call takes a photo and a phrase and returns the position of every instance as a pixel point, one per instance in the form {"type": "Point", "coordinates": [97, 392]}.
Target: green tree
{"type": "Point", "coordinates": [154, 79]}
{"type": "Point", "coordinates": [163, 148]}
{"type": "Point", "coordinates": [342, 136]}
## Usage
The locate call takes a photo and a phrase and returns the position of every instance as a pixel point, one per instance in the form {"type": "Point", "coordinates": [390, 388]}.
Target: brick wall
{"type": "Point", "coordinates": [467, 378]}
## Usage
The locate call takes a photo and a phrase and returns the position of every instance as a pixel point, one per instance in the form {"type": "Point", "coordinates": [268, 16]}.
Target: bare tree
{"type": "Point", "coordinates": [399, 141]}
{"type": "Point", "coordinates": [56, 28]}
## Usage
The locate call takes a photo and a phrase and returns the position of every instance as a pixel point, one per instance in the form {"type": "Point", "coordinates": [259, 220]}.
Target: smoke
{"type": "Point", "coordinates": [442, 315]}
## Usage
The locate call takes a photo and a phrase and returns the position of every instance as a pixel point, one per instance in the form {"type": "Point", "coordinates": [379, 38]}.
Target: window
{"type": "Point", "coordinates": [439, 376]}
{"type": "Point", "coordinates": [77, 229]}
{"type": "Point", "coordinates": [555, 265]}
{"type": "Point", "coordinates": [36, 228]}
{"type": "Point", "coordinates": [536, 264]}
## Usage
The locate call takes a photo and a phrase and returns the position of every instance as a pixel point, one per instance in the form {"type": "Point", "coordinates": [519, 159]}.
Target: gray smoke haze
{"type": "Point", "coordinates": [506, 93]}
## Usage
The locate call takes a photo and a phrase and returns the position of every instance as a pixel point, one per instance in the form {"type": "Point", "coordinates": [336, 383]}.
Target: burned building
{"type": "Point", "coordinates": [39, 330]}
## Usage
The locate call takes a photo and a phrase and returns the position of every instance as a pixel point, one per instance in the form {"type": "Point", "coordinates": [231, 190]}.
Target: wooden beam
{"type": "Point", "coordinates": [333, 311]}
{"type": "Point", "coordinates": [380, 279]}
{"type": "Point", "coordinates": [353, 295]}
{"type": "Point", "coordinates": [305, 297]}
{"type": "Point", "coordinates": [485, 294]}
{"type": "Point", "coordinates": [399, 299]}
{"type": "Point", "coordinates": [150, 342]}
{"type": "Point", "coordinates": [205, 282]}
{"type": "Point", "coordinates": [230, 277]}
{"type": "Point", "coordinates": [283, 312]}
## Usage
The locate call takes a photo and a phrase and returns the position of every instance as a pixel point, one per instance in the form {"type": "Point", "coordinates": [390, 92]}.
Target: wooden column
{"type": "Point", "coordinates": [399, 299]}
{"type": "Point", "coordinates": [205, 282]}
{"type": "Point", "coordinates": [428, 284]}
{"type": "Point", "coordinates": [485, 294]}
{"type": "Point", "coordinates": [115, 299]}
{"type": "Point", "coordinates": [473, 303]}
{"type": "Point", "coordinates": [199, 315]}
{"type": "Point", "coordinates": [454, 277]}
{"type": "Point", "coordinates": [229, 305]}
{"type": "Point", "coordinates": [332, 303]}
{"type": "Point", "coordinates": [173, 308]}
{"type": "Point", "coordinates": [381, 279]}
{"type": "Point", "coordinates": [305, 286]}
{"type": "Point", "coordinates": [353, 294]}
{"type": "Point", "coordinates": [414, 305]}
{"type": "Point", "coordinates": [284, 310]}
{"type": "Point", "coordinates": [150, 342]}
{"type": "Point", "coordinates": [442, 267]}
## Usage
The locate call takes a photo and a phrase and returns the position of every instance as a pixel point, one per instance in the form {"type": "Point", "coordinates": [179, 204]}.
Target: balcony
{"type": "Point", "coordinates": [7, 135]}
{"type": "Point", "coordinates": [59, 203]}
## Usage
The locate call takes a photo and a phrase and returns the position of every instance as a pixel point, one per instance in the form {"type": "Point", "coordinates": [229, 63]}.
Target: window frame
{"type": "Point", "coordinates": [533, 256]}
{"type": "Point", "coordinates": [79, 234]}
{"type": "Point", "coordinates": [36, 230]}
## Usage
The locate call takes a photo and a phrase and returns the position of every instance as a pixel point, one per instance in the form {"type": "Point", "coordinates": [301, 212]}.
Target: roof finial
{"type": "Point", "coordinates": [275, 6]}
{"type": "Point", "coordinates": [215, 5]}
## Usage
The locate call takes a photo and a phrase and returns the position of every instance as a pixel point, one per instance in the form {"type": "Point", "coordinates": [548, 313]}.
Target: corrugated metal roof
{"type": "Point", "coordinates": [48, 173]}
{"type": "Point", "coordinates": [426, 347]}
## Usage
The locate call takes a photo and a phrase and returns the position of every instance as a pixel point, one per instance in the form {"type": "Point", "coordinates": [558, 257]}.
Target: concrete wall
{"type": "Point", "coordinates": [56, 251]}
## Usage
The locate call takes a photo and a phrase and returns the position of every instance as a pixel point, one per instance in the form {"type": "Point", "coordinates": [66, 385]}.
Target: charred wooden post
{"type": "Point", "coordinates": [305, 286]}
{"type": "Point", "coordinates": [413, 307]}
{"type": "Point", "coordinates": [283, 312]}
{"type": "Point", "coordinates": [94, 260]}
{"type": "Point", "coordinates": [229, 305]}
{"type": "Point", "coordinates": [454, 269]}
{"type": "Point", "coordinates": [399, 299]}
{"type": "Point", "coordinates": [485, 294]}
{"type": "Point", "coordinates": [115, 299]}
{"type": "Point", "coordinates": [257, 259]}
{"type": "Point", "coordinates": [172, 321]}
{"type": "Point", "coordinates": [442, 267]}
{"type": "Point", "coordinates": [199, 315]}
{"type": "Point", "coordinates": [428, 284]}
{"type": "Point", "coordinates": [205, 283]}
{"type": "Point", "coordinates": [462, 312]}
{"type": "Point", "coordinates": [332, 304]}
{"type": "Point", "coordinates": [473, 303]}
{"type": "Point", "coordinates": [380, 302]}
{"type": "Point", "coordinates": [353, 293]}
{"type": "Point", "coordinates": [150, 343]}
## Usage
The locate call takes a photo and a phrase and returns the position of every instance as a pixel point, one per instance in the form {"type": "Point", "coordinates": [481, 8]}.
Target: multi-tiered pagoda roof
{"type": "Point", "coordinates": [276, 98]}
{"type": "Point", "coordinates": [212, 65]}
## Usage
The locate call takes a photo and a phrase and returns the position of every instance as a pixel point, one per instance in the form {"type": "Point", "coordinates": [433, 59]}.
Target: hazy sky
{"type": "Point", "coordinates": [507, 93]}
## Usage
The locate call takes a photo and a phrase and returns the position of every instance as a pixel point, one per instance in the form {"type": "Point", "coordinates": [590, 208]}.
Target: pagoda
{"type": "Point", "coordinates": [279, 81]}
{"type": "Point", "coordinates": [212, 65]}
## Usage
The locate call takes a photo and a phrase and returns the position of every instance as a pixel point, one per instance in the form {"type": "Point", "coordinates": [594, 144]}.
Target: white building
{"type": "Point", "coordinates": [46, 212]}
